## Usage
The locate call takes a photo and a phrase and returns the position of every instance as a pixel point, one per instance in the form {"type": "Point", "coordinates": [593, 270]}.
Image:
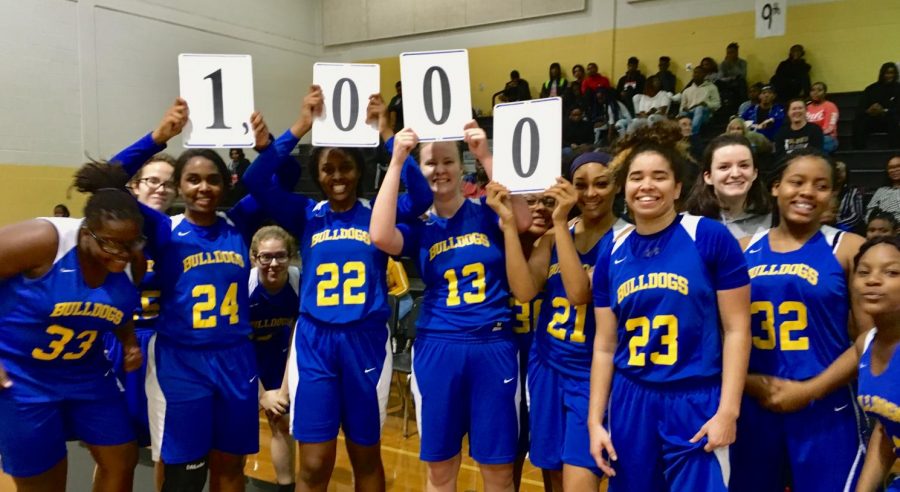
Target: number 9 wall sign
{"type": "Point", "coordinates": [345, 91]}
{"type": "Point", "coordinates": [219, 93]}
{"type": "Point", "coordinates": [437, 102]}
{"type": "Point", "coordinates": [528, 144]}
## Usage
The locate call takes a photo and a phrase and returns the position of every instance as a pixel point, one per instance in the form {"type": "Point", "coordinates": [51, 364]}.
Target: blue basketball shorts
{"type": "Point", "coordinates": [821, 447]}
{"type": "Point", "coordinates": [559, 410]}
{"type": "Point", "coordinates": [271, 360]}
{"type": "Point", "coordinates": [132, 383]}
{"type": "Point", "coordinates": [201, 399]}
{"type": "Point", "coordinates": [651, 427]}
{"type": "Point", "coordinates": [33, 434]}
{"type": "Point", "coordinates": [339, 378]}
{"type": "Point", "coordinates": [467, 388]}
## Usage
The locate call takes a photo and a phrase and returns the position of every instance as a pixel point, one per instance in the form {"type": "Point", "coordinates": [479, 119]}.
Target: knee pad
{"type": "Point", "coordinates": [186, 477]}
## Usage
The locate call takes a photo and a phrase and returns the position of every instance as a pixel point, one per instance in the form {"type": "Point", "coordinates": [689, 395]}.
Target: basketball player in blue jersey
{"type": "Point", "coordinates": [201, 370]}
{"type": "Point", "coordinates": [343, 363]}
{"type": "Point", "coordinates": [799, 398]}
{"type": "Point", "coordinates": [876, 282]}
{"type": "Point", "coordinates": [274, 302]}
{"type": "Point", "coordinates": [152, 186]}
{"type": "Point", "coordinates": [62, 285]}
{"type": "Point", "coordinates": [525, 316]}
{"type": "Point", "coordinates": [560, 361]}
{"type": "Point", "coordinates": [465, 366]}
{"type": "Point", "coordinates": [671, 301]}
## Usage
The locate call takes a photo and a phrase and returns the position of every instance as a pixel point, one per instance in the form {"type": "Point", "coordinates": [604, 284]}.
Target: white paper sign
{"type": "Point", "coordinates": [527, 144]}
{"type": "Point", "coordinates": [770, 18]}
{"type": "Point", "coordinates": [346, 89]}
{"type": "Point", "coordinates": [437, 99]}
{"type": "Point", "coordinates": [219, 93]}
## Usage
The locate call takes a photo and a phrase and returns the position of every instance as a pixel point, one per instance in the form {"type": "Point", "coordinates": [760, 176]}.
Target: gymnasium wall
{"type": "Point", "coordinates": [846, 42]}
{"type": "Point", "coordinates": [89, 77]}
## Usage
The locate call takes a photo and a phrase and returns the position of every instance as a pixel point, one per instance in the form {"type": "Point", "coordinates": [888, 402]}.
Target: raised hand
{"type": "Point", "coordinates": [261, 135]}
{"type": "Point", "coordinates": [498, 199]}
{"type": "Point", "coordinates": [172, 122]}
{"type": "Point", "coordinates": [566, 198]}
{"type": "Point", "coordinates": [311, 107]}
{"type": "Point", "coordinates": [477, 140]}
{"type": "Point", "coordinates": [404, 143]}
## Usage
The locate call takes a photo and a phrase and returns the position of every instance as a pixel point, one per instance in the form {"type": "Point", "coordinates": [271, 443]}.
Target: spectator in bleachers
{"type": "Point", "coordinates": [651, 106]}
{"type": "Point", "coordinates": [761, 145]}
{"type": "Point", "coordinates": [593, 80]}
{"type": "Point", "coordinates": [689, 142]}
{"type": "Point", "coordinates": [733, 75]}
{"type": "Point", "coordinates": [666, 78]}
{"type": "Point", "coordinates": [517, 88]}
{"type": "Point", "coordinates": [850, 210]}
{"type": "Point", "coordinates": [576, 132]}
{"type": "Point", "coordinates": [395, 108]}
{"type": "Point", "coordinates": [60, 210]}
{"type": "Point", "coordinates": [798, 133]}
{"type": "Point", "coordinates": [733, 67]}
{"type": "Point", "coordinates": [711, 68]}
{"type": "Point", "coordinates": [699, 100]}
{"type": "Point", "coordinates": [556, 85]}
{"type": "Point", "coordinates": [607, 114]}
{"type": "Point", "coordinates": [791, 79]}
{"type": "Point", "coordinates": [766, 117]}
{"type": "Point", "coordinates": [824, 114]}
{"type": "Point", "coordinates": [887, 198]}
{"type": "Point", "coordinates": [878, 108]}
{"type": "Point", "coordinates": [573, 95]}
{"type": "Point", "coordinates": [631, 84]}
{"type": "Point", "coordinates": [752, 97]}
{"type": "Point", "coordinates": [880, 224]}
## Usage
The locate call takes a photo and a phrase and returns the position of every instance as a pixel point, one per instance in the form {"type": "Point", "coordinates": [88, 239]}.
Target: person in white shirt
{"type": "Point", "coordinates": [651, 106]}
{"type": "Point", "coordinates": [700, 100]}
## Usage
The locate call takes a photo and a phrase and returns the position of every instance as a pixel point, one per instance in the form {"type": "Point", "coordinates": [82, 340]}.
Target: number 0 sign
{"type": "Point", "coordinates": [528, 144]}
{"type": "Point", "coordinates": [219, 93]}
{"type": "Point", "coordinates": [345, 89]}
{"type": "Point", "coordinates": [437, 102]}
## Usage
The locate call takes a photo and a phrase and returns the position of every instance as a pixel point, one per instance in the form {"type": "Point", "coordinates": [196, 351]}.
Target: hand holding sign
{"type": "Point", "coordinates": [436, 96]}
{"type": "Point", "coordinates": [527, 144]}
{"type": "Point", "coordinates": [343, 121]}
{"type": "Point", "coordinates": [219, 91]}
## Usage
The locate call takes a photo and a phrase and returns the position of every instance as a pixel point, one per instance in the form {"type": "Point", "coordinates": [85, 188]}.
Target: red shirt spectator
{"type": "Point", "coordinates": [593, 80]}
{"type": "Point", "coordinates": [821, 112]}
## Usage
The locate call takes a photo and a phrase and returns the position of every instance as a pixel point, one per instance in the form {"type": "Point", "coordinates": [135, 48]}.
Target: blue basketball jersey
{"type": "Point", "coordinates": [565, 333]}
{"type": "Point", "coordinates": [345, 275]}
{"type": "Point", "coordinates": [272, 316]}
{"type": "Point", "coordinates": [51, 327]}
{"type": "Point", "coordinates": [524, 320]}
{"type": "Point", "coordinates": [147, 312]}
{"type": "Point", "coordinates": [203, 275]}
{"type": "Point", "coordinates": [662, 288]}
{"type": "Point", "coordinates": [464, 270]}
{"type": "Point", "coordinates": [879, 396]}
{"type": "Point", "coordinates": [800, 306]}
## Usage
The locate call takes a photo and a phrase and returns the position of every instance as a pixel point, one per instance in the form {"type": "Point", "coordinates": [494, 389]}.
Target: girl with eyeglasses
{"type": "Point", "coordinates": [201, 381]}
{"type": "Point", "coordinates": [62, 285]}
{"type": "Point", "coordinates": [274, 301]}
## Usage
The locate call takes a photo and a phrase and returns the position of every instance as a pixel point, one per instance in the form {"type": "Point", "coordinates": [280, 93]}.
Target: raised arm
{"type": "Point", "coordinates": [518, 272]}
{"type": "Point", "coordinates": [135, 155]}
{"type": "Point", "coordinates": [383, 225]}
{"type": "Point", "coordinates": [575, 279]}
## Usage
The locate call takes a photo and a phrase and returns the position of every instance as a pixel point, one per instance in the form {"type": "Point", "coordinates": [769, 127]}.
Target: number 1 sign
{"type": "Point", "coordinates": [528, 144]}
{"type": "Point", "coordinates": [345, 89]}
{"type": "Point", "coordinates": [219, 93]}
{"type": "Point", "coordinates": [437, 102]}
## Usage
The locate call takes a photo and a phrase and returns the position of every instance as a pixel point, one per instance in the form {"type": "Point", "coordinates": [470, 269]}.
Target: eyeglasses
{"type": "Point", "coordinates": [546, 201]}
{"type": "Point", "coordinates": [266, 259]}
{"type": "Point", "coordinates": [118, 248]}
{"type": "Point", "coordinates": [155, 182]}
